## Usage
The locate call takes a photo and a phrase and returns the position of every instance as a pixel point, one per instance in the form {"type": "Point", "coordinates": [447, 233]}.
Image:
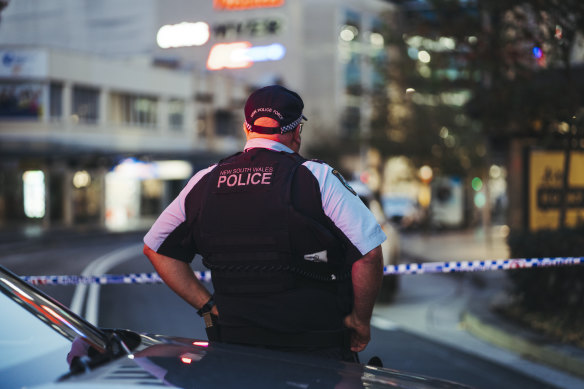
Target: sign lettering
{"type": "Point", "coordinates": [546, 176]}
{"type": "Point", "coordinates": [250, 28]}
{"type": "Point", "coordinates": [550, 198]}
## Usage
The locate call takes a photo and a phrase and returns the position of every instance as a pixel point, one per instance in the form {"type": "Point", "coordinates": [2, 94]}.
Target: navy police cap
{"type": "Point", "coordinates": [278, 103]}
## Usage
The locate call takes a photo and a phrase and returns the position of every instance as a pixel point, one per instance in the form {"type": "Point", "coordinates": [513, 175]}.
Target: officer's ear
{"type": "Point", "coordinates": [297, 133]}
{"type": "Point", "coordinates": [245, 130]}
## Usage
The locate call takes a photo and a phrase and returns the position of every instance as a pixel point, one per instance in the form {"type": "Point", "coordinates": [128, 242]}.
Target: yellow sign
{"type": "Point", "coordinates": [546, 172]}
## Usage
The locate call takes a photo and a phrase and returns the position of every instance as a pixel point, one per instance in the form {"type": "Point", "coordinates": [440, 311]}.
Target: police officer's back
{"type": "Point", "coordinates": [294, 254]}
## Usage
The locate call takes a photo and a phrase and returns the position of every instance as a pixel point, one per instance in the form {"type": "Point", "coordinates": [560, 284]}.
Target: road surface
{"type": "Point", "coordinates": [155, 309]}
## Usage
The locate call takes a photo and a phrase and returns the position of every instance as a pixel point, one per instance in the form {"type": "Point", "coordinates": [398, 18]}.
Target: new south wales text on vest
{"type": "Point", "coordinates": [244, 176]}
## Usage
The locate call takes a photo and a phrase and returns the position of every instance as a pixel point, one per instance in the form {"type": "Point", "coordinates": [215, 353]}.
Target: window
{"type": "Point", "coordinates": [134, 110]}
{"type": "Point", "coordinates": [351, 34]}
{"type": "Point", "coordinates": [353, 75]}
{"type": "Point", "coordinates": [176, 109]}
{"type": "Point", "coordinates": [55, 100]}
{"type": "Point", "coordinates": [351, 122]}
{"type": "Point", "coordinates": [85, 104]}
{"type": "Point", "coordinates": [20, 100]}
{"type": "Point", "coordinates": [225, 123]}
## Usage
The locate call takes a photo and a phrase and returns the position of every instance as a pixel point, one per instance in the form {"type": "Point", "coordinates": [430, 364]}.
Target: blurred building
{"type": "Point", "coordinates": [106, 108]}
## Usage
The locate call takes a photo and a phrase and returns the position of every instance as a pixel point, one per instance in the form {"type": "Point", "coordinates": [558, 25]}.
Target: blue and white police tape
{"type": "Point", "coordinates": [131, 278]}
{"type": "Point", "coordinates": [468, 266]}
{"type": "Point", "coordinates": [406, 268]}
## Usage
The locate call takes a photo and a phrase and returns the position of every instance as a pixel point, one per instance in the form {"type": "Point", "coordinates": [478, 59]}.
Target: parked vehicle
{"type": "Point", "coordinates": [402, 210]}
{"type": "Point", "coordinates": [391, 246]}
{"type": "Point", "coordinates": [43, 345]}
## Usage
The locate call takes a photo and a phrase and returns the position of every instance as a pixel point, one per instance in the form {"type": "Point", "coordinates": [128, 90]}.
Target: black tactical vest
{"type": "Point", "coordinates": [251, 236]}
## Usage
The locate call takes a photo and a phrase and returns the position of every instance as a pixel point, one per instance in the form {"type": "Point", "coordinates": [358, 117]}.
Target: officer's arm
{"type": "Point", "coordinates": [367, 276]}
{"type": "Point", "coordinates": [180, 278]}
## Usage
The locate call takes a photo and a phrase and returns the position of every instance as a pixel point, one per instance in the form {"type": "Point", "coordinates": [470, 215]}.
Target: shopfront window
{"type": "Point", "coordinates": [85, 104]}
{"type": "Point", "coordinates": [21, 100]}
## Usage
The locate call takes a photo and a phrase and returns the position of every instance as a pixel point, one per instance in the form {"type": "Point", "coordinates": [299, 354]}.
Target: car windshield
{"type": "Point", "coordinates": [27, 343]}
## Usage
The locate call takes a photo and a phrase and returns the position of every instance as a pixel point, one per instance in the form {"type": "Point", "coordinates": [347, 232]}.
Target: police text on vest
{"type": "Point", "coordinates": [245, 176]}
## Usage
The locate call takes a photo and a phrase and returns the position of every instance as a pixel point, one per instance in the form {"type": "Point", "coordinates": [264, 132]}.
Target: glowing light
{"type": "Point", "coordinates": [348, 33]}
{"type": "Point", "coordinates": [34, 194]}
{"type": "Point", "coordinates": [364, 177]}
{"type": "Point", "coordinates": [537, 52]}
{"type": "Point", "coordinates": [477, 184]}
{"type": "Point", "coordinates": [424, 56]}
{"type": "Point", "coordinates": [409, 91]}
{"type": "Point", "coordinates": [172, 170]}
{"type": "Point", "coordinates": [425, 71]}
{"type": "Point", "coordinates": [447, 43]}
{"type": "Point", "coordinates": [426, 173]}
{"type": "Point", "coordinates": [495, 171]}
{"type": "Point", "coordinates": [183, 35]}
{"type": "Point", "coordinates": [272, 52]}
{"type": "Point", "coordinates": [559, 32]}
{"type": "Point", "coordinates": [246, 4]}
{"type": "Point", "coordinates": [444, 133]}
{"type": "Point", "coordinates": [81, 179]}
{"type": "Point", "coordinates": [220, 56]}
{"type": "Point", "coordinates": [376, 39]}
{"type": "Point", "coordinates": [425, 196]}
{"type": "Point", "coordinates": [480, 200]}
{"type": "Point", "coordinates": [188, 358]}
{"type": "Point", "coordinates": [201, 343]}
{"type": "Point", "coordinates": [242, 55]}
{"type": "Point", "coordinates": [133, 168]}
{"type": "Point", "coordinates": [412, 52]}
{"type": "Point", "coordinates": [450, 141]}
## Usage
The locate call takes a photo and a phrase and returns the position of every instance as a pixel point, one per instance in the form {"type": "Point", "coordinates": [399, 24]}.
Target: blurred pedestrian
{"type": "Point", "coordinates": [294, 254]}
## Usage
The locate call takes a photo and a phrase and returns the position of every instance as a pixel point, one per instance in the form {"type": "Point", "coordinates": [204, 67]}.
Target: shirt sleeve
{"type": "Point", "coordinates": [346, 210]}
{"type": "Point", "coordinates": [173, 216]}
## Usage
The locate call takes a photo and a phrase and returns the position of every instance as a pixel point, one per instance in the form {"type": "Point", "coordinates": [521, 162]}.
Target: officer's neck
{"type": "Point", "coordinates": [287, 139]}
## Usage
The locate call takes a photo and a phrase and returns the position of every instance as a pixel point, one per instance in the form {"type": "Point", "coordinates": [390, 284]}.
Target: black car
{"type": "Point", "coordinates": [44, 345]}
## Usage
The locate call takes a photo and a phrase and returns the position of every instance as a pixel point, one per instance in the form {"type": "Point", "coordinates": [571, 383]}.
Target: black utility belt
{"type": "Point", "coordinates": [257, 270]}
{"type": "Point", "coordinates": [265, 337]}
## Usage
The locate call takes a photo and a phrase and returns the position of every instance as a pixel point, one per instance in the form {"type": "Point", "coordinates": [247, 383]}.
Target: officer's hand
{"type": "Point", "coordinates": [360, 334]}
{"type": "Point", "coordinates": [214, 310]}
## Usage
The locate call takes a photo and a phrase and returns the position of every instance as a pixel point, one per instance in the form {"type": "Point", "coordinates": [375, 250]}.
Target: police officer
{"type": "Point", "coordinates": [294, 254]}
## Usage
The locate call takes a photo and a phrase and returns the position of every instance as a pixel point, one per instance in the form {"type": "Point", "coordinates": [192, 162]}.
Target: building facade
{"type": "Point", "coordinates": [102, 122]}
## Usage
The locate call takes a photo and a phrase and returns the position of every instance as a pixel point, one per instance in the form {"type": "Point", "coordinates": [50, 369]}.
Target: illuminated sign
{"type": "Point", "coordinates": [246, 4]}
{"type": "Point", "coordinates": [34, 194]}
{"type": "Point", "coordinates": [197, 34]}
{"type": "Point", "coordinates": [546, 175]}
{"type": "Point", "coordinates": [242, 55]}
{"type": "Point", "coordinates": [183, 34]}
{"type": "Point", "coordinates": [252, 28]}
